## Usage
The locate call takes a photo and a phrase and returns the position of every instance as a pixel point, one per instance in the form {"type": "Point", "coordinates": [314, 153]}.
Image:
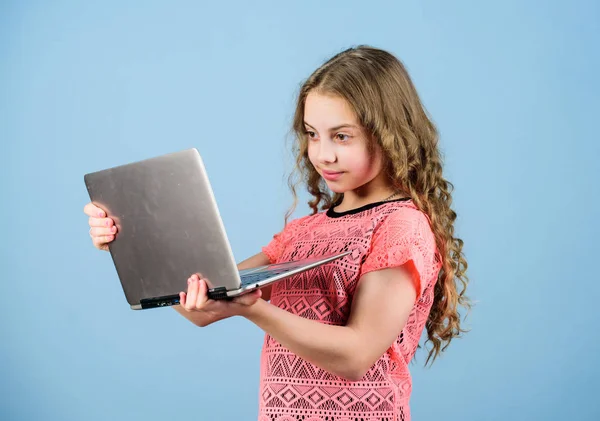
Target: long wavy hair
{"type": "Point", "coordinates": [379, 90]}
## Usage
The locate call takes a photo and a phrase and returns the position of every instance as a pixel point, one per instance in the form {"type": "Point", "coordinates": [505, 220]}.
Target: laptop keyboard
{"type": "Point", "coordinates": [251, 278]}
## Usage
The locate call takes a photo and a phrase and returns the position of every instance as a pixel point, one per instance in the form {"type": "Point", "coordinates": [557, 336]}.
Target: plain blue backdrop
{"type": "Point", "coordinates": [512, 85]}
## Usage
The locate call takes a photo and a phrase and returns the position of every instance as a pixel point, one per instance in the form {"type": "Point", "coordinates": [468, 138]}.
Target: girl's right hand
{"type": "Point", "coordinates": [202, 311]}
{"type": "Point", "coordinates": [102, 228]}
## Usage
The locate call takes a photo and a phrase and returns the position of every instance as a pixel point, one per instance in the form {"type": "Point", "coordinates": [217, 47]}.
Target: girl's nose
{"type": "Point", "coordinates": [326, 152]}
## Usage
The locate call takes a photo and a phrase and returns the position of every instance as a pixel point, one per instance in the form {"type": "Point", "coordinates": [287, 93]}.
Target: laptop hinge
{"type": "Point", "coordinates": [219, 293]}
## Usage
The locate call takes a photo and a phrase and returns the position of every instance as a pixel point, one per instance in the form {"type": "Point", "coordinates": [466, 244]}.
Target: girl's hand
{"type": "Point", "coordinates": [202, 311]}
{"type": "Point", "coordinates": [102, 229]}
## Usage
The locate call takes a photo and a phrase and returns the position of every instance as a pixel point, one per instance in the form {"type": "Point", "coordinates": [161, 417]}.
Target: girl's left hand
{"type": "Point", "coordinates": [202, 311]}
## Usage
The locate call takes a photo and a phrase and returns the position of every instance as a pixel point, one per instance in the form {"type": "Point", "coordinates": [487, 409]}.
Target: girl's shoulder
{"type": "Point", "coordinates": [405, 215]}
{"type": "Point", "coordinates": [403, 233]}
{"type": "Point", "coordinates": [404, 210]}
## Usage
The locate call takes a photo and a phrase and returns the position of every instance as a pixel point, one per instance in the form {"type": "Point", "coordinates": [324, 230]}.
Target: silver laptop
{"type": "Point", "coordinates": [169, 227]}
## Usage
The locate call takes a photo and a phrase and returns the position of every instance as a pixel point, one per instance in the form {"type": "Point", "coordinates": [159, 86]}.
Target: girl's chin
{"type": "Point", "coordinates": [336, 187]}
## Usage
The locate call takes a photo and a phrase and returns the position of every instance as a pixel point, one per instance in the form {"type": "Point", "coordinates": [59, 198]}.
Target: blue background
{"type": "Point", "coordinates": [512, 85]}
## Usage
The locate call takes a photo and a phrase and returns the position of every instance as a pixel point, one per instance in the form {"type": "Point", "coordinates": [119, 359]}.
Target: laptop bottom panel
{"type": "Point", "coordinates": [273, 273]}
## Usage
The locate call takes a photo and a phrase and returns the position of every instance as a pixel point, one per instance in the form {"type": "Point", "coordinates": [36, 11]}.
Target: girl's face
{"type": "Point", "coordinates": [337, 144]}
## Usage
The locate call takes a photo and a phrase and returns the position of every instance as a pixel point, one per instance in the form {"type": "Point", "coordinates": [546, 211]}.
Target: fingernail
{"type": "Point", "coordinates": [114, 229]}
{"type": "Point", "coordinates": [100, 213]}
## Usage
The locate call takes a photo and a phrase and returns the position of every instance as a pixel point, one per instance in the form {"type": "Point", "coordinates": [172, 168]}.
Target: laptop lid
{"type": "Point", "coordinates": [168, 225]}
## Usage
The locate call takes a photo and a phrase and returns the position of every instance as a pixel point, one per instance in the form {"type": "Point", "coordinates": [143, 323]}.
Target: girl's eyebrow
{"type": "Point", "coordinates": [333, 129]}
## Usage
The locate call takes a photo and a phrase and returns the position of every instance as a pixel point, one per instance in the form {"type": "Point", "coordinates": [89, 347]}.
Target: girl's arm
{"type": "Point", "coordinates": [380, 308]}
{"type": "Point", "coordinates": [204, 318]}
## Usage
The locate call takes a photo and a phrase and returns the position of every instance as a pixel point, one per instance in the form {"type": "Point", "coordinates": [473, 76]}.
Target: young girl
{"type": "Point", "coordinates": [339, 338]}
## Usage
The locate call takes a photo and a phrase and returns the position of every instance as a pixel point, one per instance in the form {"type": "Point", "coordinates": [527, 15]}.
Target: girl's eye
{"type": "Point", "coordinates": [310, 134]}
{"type": "Point", "coordinates": [342, 137]}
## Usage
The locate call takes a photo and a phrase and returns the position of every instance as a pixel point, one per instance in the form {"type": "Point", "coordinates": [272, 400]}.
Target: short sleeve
{"type": "Point", "coordinates": [274, 249]}
{"type": "Point", "coordinates": [405, 238]}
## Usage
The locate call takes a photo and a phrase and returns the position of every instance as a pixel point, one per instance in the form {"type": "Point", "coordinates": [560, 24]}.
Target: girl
{"type": "Point", "coordinates": [339, 338]}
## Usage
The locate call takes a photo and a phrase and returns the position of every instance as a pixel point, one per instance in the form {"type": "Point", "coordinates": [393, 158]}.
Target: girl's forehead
{"type": "Point", "coordinates": [328, 111]}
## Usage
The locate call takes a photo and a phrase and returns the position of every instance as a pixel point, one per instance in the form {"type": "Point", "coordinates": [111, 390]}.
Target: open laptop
{"type": "Point", "coordinates": [169, 227]}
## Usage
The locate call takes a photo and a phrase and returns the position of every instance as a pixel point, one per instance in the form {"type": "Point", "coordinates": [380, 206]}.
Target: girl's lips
{"type": "Point", "coordinates": [332, 175]}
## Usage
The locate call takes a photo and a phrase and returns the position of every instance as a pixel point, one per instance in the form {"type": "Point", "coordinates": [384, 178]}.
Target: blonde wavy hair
{"type": "Point", "coordinates": [378, 88]}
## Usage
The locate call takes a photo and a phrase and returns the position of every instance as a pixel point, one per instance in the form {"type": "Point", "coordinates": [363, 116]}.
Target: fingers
{"type": "Point", "coordinates": [196, 294]}
{"type": "Point", "coordinates": [196, 298]}
{"type": "Point", "coordinates": [102, 229]}
{"type": "Point", "coordinates": [102, 241]}
{"type": "Point", "coordinates": [92, 210]}
{"type": "Point", "coordinates": [202, 295]}
{"type": "Point", "coordinates": [101, 235]}
{"type": "Point", "coordinates": [99, 232]}
{"type": "Point", "coordinates": [100, 222]}
{"type": "Point", "coordinates": [192, 294]}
